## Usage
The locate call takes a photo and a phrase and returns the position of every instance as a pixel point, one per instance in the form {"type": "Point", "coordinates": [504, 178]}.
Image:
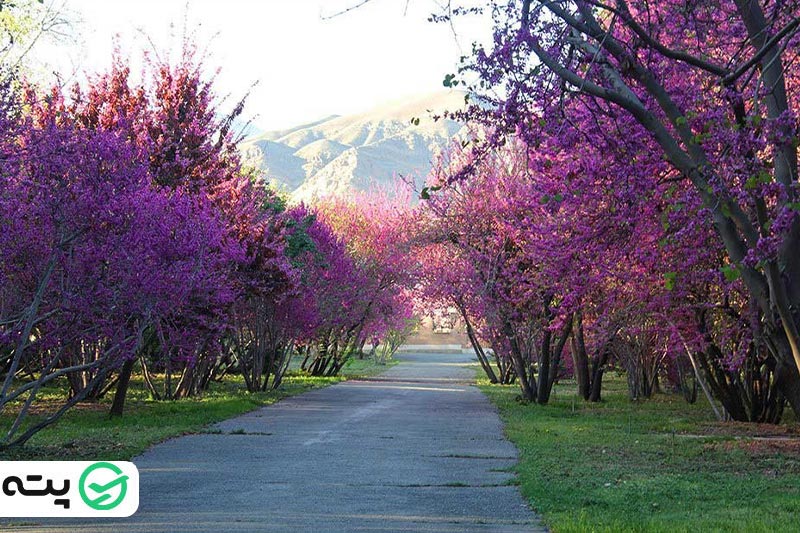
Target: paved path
{"type": "Point", "coordinates": [415, 449]}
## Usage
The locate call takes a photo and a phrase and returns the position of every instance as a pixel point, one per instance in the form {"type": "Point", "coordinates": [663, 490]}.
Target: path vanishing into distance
{"type": "Point", "coordinates": [415, 449]}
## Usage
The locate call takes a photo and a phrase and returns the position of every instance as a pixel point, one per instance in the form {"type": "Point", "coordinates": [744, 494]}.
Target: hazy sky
{"type": "Point", "coordinates": [307, 67]}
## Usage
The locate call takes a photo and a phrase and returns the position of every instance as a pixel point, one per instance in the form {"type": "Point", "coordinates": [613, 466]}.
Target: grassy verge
{"type": "Point", "coordinates": [658, 465]}
{"type": "Point", "coordinates": [87, 433]}
{"type": "Point", "coordinates": [364, 368]}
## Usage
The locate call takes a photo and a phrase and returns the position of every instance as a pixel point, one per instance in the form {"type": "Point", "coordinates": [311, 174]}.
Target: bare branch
{"type": "Point", "coordinates": [678, 55]}
{"type": "Point", "coordinates": [348, 9]}
{"type": "Point", "coordinates": [787, 30]}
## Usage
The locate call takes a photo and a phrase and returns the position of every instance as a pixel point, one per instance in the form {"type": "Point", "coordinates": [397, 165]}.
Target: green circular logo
{"type": "Point", "coordinates": [102, 491]}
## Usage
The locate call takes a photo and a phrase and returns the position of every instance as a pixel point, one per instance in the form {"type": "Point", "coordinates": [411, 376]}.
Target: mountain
{"type": "Point", "coordinates": [343, 153]}
{"type": "Point", "coordinates": [242, 126]}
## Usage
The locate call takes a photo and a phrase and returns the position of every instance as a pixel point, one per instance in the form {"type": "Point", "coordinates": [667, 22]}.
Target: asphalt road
{"type": "Point", "coordinates": [415, 449]}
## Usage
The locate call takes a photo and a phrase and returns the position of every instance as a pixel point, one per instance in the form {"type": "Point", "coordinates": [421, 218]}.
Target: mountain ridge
{"type": "Point", "coordinates": [339, 154]}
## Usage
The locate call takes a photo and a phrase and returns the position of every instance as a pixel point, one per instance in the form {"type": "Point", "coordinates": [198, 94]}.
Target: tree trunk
{"type": "Point", "coordinates": [122, 387]}
{"type": "Point", "coordinates": [580, 357]}
{"type": "Point", "coordinates": [598, 367]}
{"type": "Point", "coordinates": [479, 353]}
{"type": "Point", "coordinates": [788, 383]}
{"type": "Point", "coordinates": [557, 354]}
{"type": "Point", "coordinates": [527, 383]}
{"type": "Point", "coordinates": [542, 392]}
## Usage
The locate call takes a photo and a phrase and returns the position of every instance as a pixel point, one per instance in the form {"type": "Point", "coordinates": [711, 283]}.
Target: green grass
{"type": "Point", "coordinates": [88, 433]}
{"type": "Point", "coordinates": [364, 368]}
{"type": "Point", "coordinates": [657, 465]}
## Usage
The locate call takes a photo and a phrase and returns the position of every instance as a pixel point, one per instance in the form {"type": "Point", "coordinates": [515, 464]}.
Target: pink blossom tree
{"type": "Point", "coordinates": [547, 253]}
{"type": "Point", "coordinates": [707, 90]}
{"type": "Point", "coordinates": [92, 259]}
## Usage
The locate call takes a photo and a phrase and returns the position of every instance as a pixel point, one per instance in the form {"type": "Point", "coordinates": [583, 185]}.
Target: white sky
{"type": "Point", "coordinates": [307, 68]}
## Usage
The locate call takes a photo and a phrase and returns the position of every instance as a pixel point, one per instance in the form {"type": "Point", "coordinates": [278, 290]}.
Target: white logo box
{"type": "Point", "coordinates": [30, 489]}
